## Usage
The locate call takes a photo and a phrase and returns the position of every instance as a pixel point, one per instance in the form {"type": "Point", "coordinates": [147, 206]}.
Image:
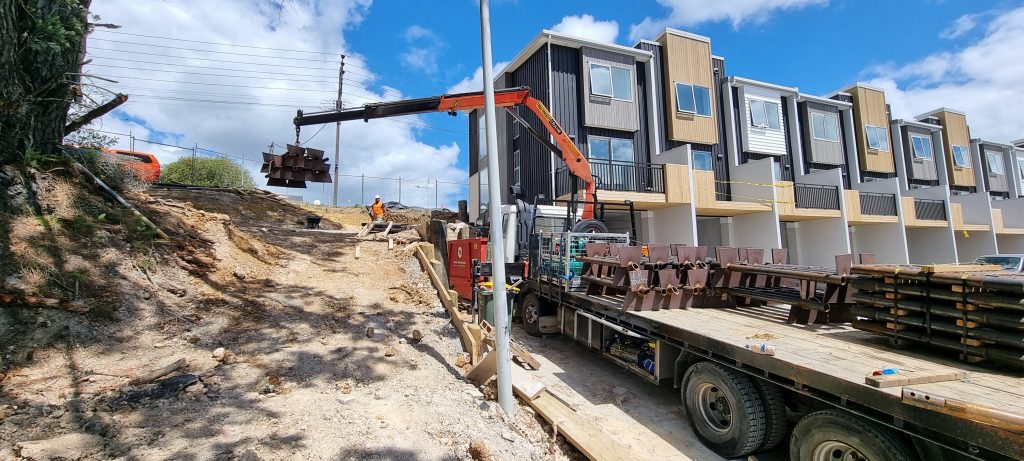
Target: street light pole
{"type": "Point", "coordinates": [501, 321]}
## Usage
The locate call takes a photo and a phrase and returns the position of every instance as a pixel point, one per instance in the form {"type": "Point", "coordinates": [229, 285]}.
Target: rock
{"type": "Point", "coordinates": [479, 452]}
{"type": "Point", "coordinates": [346, 398]}
{"type": "Point", "coordinates": [218, 353]}
{"type": "Point", "coordinates": [460, 361]}
{"type": "Point", "coordinates": [417, 336]}
{"type": "Point", "coordinates": [269, 283]}
{"type": "Point", "coordinates": [239, 273]}
{"type": "Point", "coordinates": [145, 295]}
{"type": "Point", "coordinates": [68, 446]}
{"type": "Point", "coordinates": [486, 406]}
{"type": "Point", "coordinates": [508, 436]}
{"type": "Point", "coordinates": [369, 332]}
{"type": "Point", "coordinates": [390, 351]}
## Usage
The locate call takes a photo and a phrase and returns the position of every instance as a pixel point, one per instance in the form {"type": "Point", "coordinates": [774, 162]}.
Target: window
{"type": "Point", "coordinates": [825, 126]}
{"type": "Point", "coordinates": [995, 163]}
{"type": "Point", "coordinates": [612, 82]}
{"type": "Point", "coordinates": [764, 114]}
{"type": "Point", "coordinates": [610, 159]}
{"type": "Point", "coordinates": [878, 137]}
{"type": "Point", "coordinates": [516, 168]}
{"type": "Point", "coordinates": [961, 158]}
{"type": "Point", "coordinates": [693, 99]}
{"type": "Point", "coordinates": [922, 147]}
{"type": "Point", "coordinates": [484, 191]}
{"type": "Point", "coordinates": [481, 132]}
{"type": "Point", "coordinates": [702, 160]}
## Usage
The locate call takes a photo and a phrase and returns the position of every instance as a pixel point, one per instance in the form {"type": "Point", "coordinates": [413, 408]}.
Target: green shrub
{"type": "Point", "coordinates": [209, 172]}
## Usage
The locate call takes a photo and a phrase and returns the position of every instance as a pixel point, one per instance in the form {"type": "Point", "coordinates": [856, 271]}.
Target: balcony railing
{"type": "Point", "coordinates": [877, 204]}
{"type": "Point", "coordinates": [930, 210]}
{"type": "Point", "coordinates": [816, 196]}
{"type": "Point", "coordinates": [617, 176]}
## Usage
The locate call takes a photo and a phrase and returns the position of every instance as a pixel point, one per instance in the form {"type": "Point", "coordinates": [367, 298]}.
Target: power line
{"type": "Point", "coordinates": [129, 90]}
{"type": "Point", "coordinates": [314, 135]}
{"type": "Point", "coordinates": [210, 75]}
{"type": "Point", "coordinates": [213, 43]}
{"type": "Point", "coordinates": [200, 50]}
{"type": "Point", "coordinates": [198, 58]}
{"type": "Point", "coordinates": [131, 77]}
{"type": "Point", "coordinates": [262, 71]}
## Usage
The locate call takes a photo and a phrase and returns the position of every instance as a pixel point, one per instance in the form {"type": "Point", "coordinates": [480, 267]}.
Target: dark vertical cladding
{"type": "Point", "coordinates": [807, 143]}
{"type": "Point", "coordinates": [719, 152]}
{"type": "Point", "coordinates": [641, 138]}
{"type": "Point", "coordinates": [535, 158]}
{"type": "Point", "coordinates": [842, 97]}
{"type": "Point", "coordinates": [565, 88]}
{"type": "Point", "coordinates": [474, 143]}
{"type": "Point", "coordinates": [787, 160]}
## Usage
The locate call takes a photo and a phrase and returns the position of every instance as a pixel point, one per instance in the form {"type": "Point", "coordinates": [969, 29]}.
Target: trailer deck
{"type": "Point", "coordinates": [830, 362]}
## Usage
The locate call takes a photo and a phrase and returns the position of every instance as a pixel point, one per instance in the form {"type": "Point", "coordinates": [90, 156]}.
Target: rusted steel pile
{"type": "Point", "coordinates": [297, 166]}
{"type": "Point", "coordinates": [975, 311]}
{"type": "Point", "coordinates": [667, 277]}
{"type": "Point", "coordinates": [814, 294]}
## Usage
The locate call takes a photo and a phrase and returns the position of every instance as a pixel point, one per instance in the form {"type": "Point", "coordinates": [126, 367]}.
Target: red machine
{"type": "Point", "coordinates": [461, 254]}
{"type": "Point", "coordinates": [507, 98]}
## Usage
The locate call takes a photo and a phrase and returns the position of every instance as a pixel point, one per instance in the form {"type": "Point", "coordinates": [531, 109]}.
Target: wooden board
{"type": "Point", "coordinates": [483, 371]}
{"type": "Point", "coordinates": [450, 303]}
{"type": "Point", "coordinates": [910, 377]}
{"type": "Point", "coordinates": [593, 442]}
{"type": "Point", "coordinates": [935, 268]}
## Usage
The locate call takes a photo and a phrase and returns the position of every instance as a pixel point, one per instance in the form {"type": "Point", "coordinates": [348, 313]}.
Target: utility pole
{"type": "Point", "coordinates": [337, 132]}
{"type": "Point", "coordinates": [501, 324]}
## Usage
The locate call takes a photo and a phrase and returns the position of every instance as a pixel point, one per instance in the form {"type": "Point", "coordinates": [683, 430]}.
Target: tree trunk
{"type": "Point", "coordinates": [40, 44]}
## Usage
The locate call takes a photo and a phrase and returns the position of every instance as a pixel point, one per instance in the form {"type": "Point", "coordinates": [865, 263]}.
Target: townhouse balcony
{"type": "Point", "coordinates": [924, 213]}
{"type": "Point", "coordinates": [957, 212]}
{"type": "Point", "coordinates": [865, 208]}
{"type": "Point", "coordinates": [999, 225]}
{"type": "Point", "coordinates": [706, 199]}
{"type": "Point", "coordinates": [644, 184]}
{"type": "Point", "coordinates": [803, 202]}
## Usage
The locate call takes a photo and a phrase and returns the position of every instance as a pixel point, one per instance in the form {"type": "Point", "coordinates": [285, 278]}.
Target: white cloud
{"type": "Point", "coordinates": [587, 27]}
{"type": "Point", "coordinates": [475, 82]}
{"type": "Point", "coordinates": [982, 79]}
{"type": "Point", "coordinates": [238, 120]}
{"type": "Point", "coordinates": [960, 27]}
{"type": "Point", "coordinates": [692, 12]}
{"type": "Point", "coordinates": [425, 48]}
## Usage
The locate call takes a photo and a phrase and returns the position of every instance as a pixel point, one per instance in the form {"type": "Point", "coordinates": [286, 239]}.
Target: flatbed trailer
{"type": "Point", "coordinates": [816, 368]}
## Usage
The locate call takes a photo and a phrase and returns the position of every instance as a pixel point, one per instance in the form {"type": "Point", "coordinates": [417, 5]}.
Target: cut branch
{"type": "Point", "coordinates": [96, 113]}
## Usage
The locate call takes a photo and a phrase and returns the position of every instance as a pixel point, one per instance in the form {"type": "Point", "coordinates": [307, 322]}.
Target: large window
{"type": "Point", "coordinates": [702, 160]}
{"type": "Point", "coordinates": [878, 137]}
{"type": "Point", "coordinates": [995, 163]}
{"type": "Point", "coordinates": [612, 82]}
{"type": "Point", "coordinates": [961, 157]}
{"type": "Point", "coordinates": [481, 134]}
{"type": "Point", "coordinates": [485, 195]}
{"type": "Point", "coordinates": [764, 114]}
{"type": "Point", "coordinates": [922, 147]}
{"type": "Point", "coordinates": [611, 160]}
{"type": "Point", "coordinates": [825, 127]}
{"type": "Point", "coordinates": [693, 99]}
{"type": "Point", "coordinates": [516, 168]}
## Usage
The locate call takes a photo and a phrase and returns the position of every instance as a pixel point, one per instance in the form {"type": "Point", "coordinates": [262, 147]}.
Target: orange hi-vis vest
{"type": "Point", "coordinates": [378, 209]}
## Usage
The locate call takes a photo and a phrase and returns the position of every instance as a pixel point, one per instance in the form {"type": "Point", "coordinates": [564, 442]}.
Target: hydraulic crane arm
{"type": "Point", "coordinates": [507, 98]}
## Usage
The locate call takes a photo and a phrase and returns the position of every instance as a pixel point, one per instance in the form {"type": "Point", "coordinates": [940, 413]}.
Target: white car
{"type": "Point", "coordinates": [1012, 262]}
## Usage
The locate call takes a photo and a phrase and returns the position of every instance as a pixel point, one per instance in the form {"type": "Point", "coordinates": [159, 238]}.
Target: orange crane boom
{"type": "Point", "coordinates": [507, 98]}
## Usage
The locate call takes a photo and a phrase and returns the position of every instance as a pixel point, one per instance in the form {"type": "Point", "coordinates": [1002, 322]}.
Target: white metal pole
{"type": "Point", "coordinates": [501, 321]}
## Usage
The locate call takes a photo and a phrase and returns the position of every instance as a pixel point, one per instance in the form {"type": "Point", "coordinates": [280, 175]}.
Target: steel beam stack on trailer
{"type": "Point", "coordinates": [975, 311]}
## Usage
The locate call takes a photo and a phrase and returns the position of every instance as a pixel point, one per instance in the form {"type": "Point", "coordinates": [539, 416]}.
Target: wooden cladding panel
{"type": "Point", "coordinates": [955, 133]}
{"type": "Point", "coordinates": [677, 183]}
{"type": "Point", "coordinates": [869, 109]}
{"type": "Point", "coordinates": [687, 60]}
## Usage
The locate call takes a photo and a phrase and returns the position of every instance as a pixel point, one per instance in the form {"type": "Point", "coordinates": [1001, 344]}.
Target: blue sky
{"type": "Point", "coordinates": [924, 53]}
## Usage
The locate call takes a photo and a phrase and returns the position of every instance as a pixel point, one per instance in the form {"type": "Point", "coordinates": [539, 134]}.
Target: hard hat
{"type": "Point", "coordinates": [376, 196]}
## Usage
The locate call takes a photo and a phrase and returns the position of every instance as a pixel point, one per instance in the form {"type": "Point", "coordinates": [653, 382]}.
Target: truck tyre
{"type": "Point", "coordinates": [833, 435]}
{"type": "Point", "coordinates": [724, 408]}
{"type": "Point", "coordinates": [775, 414]}
{"type": "Point", "coordinates": [531, 314]}
{"type": "Point", "coordinates": [590, 226]}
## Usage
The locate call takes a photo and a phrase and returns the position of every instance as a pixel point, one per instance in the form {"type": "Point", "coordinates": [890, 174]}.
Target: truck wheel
{"type": "Point", "coordinates": [590, 226]}
{"type": "Point", "coordinates": [775, 414]}
{"type": "Point", "coordinates": [835, 436]}
{"type": "Point", "coordinates": [531, 314]}
{"type": "Point", "coordinates": [724, 408]}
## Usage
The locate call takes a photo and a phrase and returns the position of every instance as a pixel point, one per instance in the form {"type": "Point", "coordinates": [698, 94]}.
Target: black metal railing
{"type": "Point", "coordinates": [929, 209]}
{"type": "Point", "coordinates": [816, 196]}
{"type": "Point", "coordinates": [615, 175]}
{"type": "Point", "coordinates": [877, 204]}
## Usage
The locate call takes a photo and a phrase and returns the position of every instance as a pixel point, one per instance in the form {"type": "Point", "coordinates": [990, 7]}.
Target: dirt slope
{"type": "Point", "coordinates": [299, 376]}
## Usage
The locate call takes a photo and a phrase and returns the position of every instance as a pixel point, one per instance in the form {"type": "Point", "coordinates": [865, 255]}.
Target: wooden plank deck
{"type": "Point", "coordinates": [845, 353]}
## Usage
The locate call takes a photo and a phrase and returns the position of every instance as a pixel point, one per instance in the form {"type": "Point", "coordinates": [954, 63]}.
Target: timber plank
{"type": "Point", "coordinates": [593, 442]}
{"type": "Point", "coordinates": [910, 377]}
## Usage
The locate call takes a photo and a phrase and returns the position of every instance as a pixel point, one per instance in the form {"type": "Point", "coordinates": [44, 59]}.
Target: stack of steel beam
{"type": "Point", "coordinates": [297, 166]}
{"type": "Point", "coordinates": [974, 311]}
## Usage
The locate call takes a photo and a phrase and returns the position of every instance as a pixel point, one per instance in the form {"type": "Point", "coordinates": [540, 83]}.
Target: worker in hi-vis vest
{"type": "Point", "coordinates": [378, 209]}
